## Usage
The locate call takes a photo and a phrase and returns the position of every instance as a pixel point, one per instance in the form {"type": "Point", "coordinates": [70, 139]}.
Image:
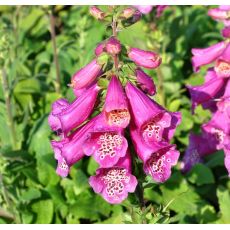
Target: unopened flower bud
{"type": "Point", "coordinates": [113, 46]}
{"type": "Point", "coordinates": [99, 49]}
{"type": "Point", "coordinates": [97, 13]}
{"type": "Point", "coordinates": [128, 12]}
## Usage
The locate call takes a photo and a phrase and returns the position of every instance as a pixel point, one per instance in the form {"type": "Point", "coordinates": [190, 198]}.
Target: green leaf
{"type": "Point", "coordinates": [44, 211]}
{"type": "Point", "coordinates": [224, 202]}
{"type": "Point", "coordinates": [200, 175]}
{"type": "Point", "coordinates": [31, 194]}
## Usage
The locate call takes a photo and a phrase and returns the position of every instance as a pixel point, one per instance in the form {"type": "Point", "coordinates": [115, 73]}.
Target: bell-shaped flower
{"type": "Point", "coordinates": [206, 92]}
{"type": "Point", "coordinates": [146, 59]}
{"type": "Point", "coordinates": [158, 159]}
{"type": "Point", "coordinates": [69, 150]}
{"type": "Point", "coordinates": [153, 121]}
{"type": "Point", "coordinates": [107, 144]}
{"type": "Point", "coordinates": [76, 112]}
{"type": "Point", "coordinates": [198, 147]}
{"type": "Point", "coordinates": [116, 182]}
{"type": "Point", "coordinates": [145, 82]}
{"type": "Point", "coordinates": [57, 107]}
{"type": "Point", "coordinates": [217, 130]}
{"type": "Point", "coordinates": [87, 75]}
{"type": "Point", "coordinates": [207, 55]}
{"type": "Point", "coordinates": [116, 105]}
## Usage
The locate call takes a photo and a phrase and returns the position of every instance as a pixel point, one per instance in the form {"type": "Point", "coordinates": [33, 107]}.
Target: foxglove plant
{"type": "Point", "coordinates": [214, 95]}
{"type": "Point", "coordinates": [103, 130]}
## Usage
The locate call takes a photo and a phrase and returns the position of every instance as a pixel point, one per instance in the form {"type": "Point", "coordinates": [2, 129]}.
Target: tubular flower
{"type": "Point", "coordinates": [145, 82]}
{"type": "Point", "coordinates": [157, 158]}
{"type": "Point", "coordinates": [97, 13]}
{"type": "Point", "coordinates": [195, 151]}
{"type": "Point", "coordinates": [85, 76]}
{"type": "Point", "coordinates": [75, 113]}
{"type": "Point", "coordinates": [146, 59]}
{"type": "Point", "coordinates": [116, 106]}
{"type": "Point", "coordinates": [207, 55]}
{"type": "Point", "coordinates": [106, 144]}
{"type": "Point", "coordinates": [113, 46]}
{"type": "Point", "coordinates": [153, 121]}
{"type": "Point", "coordinates": [206, 92]}
{"type": "Point", "coordinates": [116, 182]}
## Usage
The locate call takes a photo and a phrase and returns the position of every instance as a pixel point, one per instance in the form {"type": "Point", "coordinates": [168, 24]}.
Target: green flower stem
{"type": "Point", "coordinates": [55, 54]}
{"type": "Point", "coordinates": [10, 120]}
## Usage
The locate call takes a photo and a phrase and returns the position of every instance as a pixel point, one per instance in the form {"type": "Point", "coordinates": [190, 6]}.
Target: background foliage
{"type": "Point", "coordinates": [30, 190]}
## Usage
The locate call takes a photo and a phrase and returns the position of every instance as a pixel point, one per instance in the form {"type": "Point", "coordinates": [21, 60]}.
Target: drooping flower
{"type": "Point", "coordinates": [145, 82]}
{"type": "Point", "coordinates": [146, 59]}
{"type": "Point", "coordinates": [86, 76]}
{"type": "Point", "coordinates": [116, 182]}
{"type": "Point", "coordinates": [206, 92]}
{"type": "Point", "coordinates": [75, 113]}
{"type": "Point", "coordinates": [113, 46]}
{"type": "Point", "coordinates": [153, 121]}
{"type": "Point", "coordinates": [207, 55]}
{"type": "Point", "coordinates": [116, 106]}
{"type": "Point", "coordinates": [69, 150]}
{"type": "Point", "coordinates": [105, 143]}
{"type": "Point", "coordinates": [158, 158]}
{"type": "Point", "coordinates": [195, 151]}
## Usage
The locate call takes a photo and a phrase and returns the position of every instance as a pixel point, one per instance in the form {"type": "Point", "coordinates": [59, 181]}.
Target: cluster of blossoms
{"type": "Point", "coordinates": [127, 109]}
{"type": "Point", "coordinates": [214, 95]}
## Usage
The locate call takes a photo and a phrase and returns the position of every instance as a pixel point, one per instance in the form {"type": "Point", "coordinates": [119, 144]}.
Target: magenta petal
{"type": "Point", "coordinates": [143, 108]}
{"type": "Point", "coordinates": [113, 46]}
{"type": "Point", "coordinates": [85, 76]}
{"type": "Point", "coordinates": [145, 9]}
{"type": "Point", "coordinates": [106, 147]}
{"type": "Point", "coordinates": [113, 184]}
{"type": "Point", "coordinates": [146, 59]}
{"type": "Point", "coordinates": [99, 49]}
{"type": "Point", "coordinates": [62, 168]}
{"type": "Point", "coordinates": [160, 163]}
{"type": "Point", "coordinates": [207, 55]}
{"type": "Point", "coordinates": [225, 7]}
{"type": "Point", "coordinates": [78, 111]}
{"type": "Point", "coordinates": [226, 32]}
{"type": "Point", "coordinates": [57, 107]}
{"type": "Point", "coordinates": [125, 162]}
{"type": "Point", "coordinates": [116, 105]}
{"type": "Point", "coordinates": [207, 91]}
{"type": "Point", "coordinates": [218, 14]}
{"type": "Point", "coordinates": [145, 82]}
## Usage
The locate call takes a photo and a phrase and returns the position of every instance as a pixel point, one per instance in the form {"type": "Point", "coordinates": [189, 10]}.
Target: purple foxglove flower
{"type": "Point", "coordinates": [217, 130]}
{"type": "Point", "coordinates": [226, 32]}
{"type": "Point", "coordinates": [204, 93]}
{"type": "Point", "coordinates": [57, 107]}
{"type": "Point", "coordinates": [160, 10]}
{"type": "Point", "coordinates": [116, 106]}
{"type": "Point", "coordinates": [77, 112]}
{"type": "Point", "coordinates": [145, 82]}
{"type": "Point", "coordinates": [114, 183]}
{"type": "Point", "coordinates": [99, 49]}
{"type": "Point", "coordinates": [113, 46]}
{"type": "Point", "coordinates": [153, 121]}
{"type": "Point", "coordinates": [207, 55]}
{"type": "Point", "coordinates": [69, 150]}
{"type": "Point", "coordinates": [79, 92]}
{"type": "Point", "coordinates": [218, 14]}
{"type": "Point", "coordinates": [198, 147]}
{"type": "Point", "coordinates": [86, 76]}
{"type": "Point", "coordinates": [144, 9]}
{"type": "Point", "coordinates": [106, 144]}
{"type": "Point", "coordinates": [158, 158]}
{"type": "Point", "coordinates": [146, 59]}
{"type": "Point", "coordinates": [97, 13]}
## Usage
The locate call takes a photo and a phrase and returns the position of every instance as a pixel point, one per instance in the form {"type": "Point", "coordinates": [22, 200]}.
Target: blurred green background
{"type": "Point", "coordinates": [30, 190]}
